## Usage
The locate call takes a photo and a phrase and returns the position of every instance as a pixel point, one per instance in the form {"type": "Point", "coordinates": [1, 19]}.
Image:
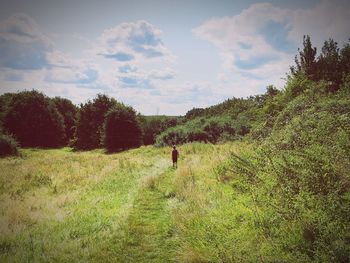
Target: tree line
{"type": "Point", "coordinates": [31, 119]}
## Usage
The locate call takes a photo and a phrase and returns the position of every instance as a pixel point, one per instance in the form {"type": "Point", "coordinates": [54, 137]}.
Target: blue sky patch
{"type": "Point", "coordinates": [245, 45]}
{"type": "Point", "coordinates": [22, 56]}
{"type": "Point", "coordinates": [276, 34]}
{"type": "Point", "coordinates": [254, 62]}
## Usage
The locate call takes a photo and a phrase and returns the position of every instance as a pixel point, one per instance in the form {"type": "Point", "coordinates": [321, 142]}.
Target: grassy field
{"type": "Point", "coordinates": [65, 206]}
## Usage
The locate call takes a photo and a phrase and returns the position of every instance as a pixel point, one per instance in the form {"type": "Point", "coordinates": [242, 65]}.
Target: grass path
{"type": "Point", "coordinates": [148, 233]}
{"type": "Point", "coordinates": [64, 206]}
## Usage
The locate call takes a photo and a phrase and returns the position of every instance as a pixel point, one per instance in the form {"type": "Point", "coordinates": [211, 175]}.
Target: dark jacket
{"type": "Point", "coordinates": [174, 154]}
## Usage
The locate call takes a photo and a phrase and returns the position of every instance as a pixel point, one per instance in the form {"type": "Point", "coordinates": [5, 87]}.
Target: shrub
{"type": "Point", "coordinates": [68, 111]}
{"type": "Point", "coordinates": [175, 135]}
{"type": "Point", "coordinates": [122, 129]}
{"type": "Point", "coordinates": [299, 178]}
{"type": "Point", "coordinates": [152, 126]}
{"type": "Point", "coordinates": [34, 120]}
{"type": "Point", "coordinates": [8, 145]}
{"type": "Point", "coordinates": [89, 125]}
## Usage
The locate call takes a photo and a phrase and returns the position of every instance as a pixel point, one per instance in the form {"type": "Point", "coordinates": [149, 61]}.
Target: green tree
{"type": "Point", "coordinates": [5, 100]}
{"type": "Point", "coordinates": [89, 125]}
{"type": "Point", "coordinates": [8, 145]}
{"type": "Point", "coordinates": [306, 63]}
{"type": "Point", "coordinates": [152, 126]}
{"type": "Point", "coordinates": [34, 120]}
{"type": "Point", "coordinates": [122, 129]}
{"type": "Point", "coordinates": [345, 60]}
{"type": "Point", "coordinates": [69, 111]}
{"type": "Point", "coordinates": [329, 64]}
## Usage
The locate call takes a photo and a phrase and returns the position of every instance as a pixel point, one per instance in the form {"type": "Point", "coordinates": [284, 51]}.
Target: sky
{"type": "Point", "coordinates": [160, 57]}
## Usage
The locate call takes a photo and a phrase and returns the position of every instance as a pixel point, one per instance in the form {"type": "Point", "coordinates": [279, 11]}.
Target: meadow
{"type": "Point", "coordinates": [58, 205]}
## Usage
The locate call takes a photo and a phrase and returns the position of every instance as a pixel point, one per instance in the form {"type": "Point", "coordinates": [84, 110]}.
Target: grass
{"type": "Point", "coordinates": [65, 206]}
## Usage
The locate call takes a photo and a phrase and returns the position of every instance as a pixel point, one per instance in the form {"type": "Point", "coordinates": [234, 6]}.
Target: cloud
{"type": "Point", "coordinates": [66, 75]}
{"type": "Point", "coordinates": [254, 62]}
{"type": "Point", "coordinates": [165, 74]}
{"type": "Point", "coordinates": [66, 70]}
{"type": "Point", "coordinates": [12, 75]}
{"type": "Point", "coordinates": [130, 41]}
{"type": "Point", "coordinates": [132, 77]}
{"type": "Point", "coordinates": [120, 56]}
{"type": "Point", "coordinates": [261, 41]}
{"type": "Point", "coordinates": [23, 46]}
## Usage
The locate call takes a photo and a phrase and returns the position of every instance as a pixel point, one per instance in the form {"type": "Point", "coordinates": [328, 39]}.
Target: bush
{"type": "Point", "coordinates": [34, 120]}
{"type": "Point", "coordinates": [68, 111]}
{"type": "Point", "coordinates": [152, 126]}
{"type": "Point", "coordinates": [122, 129]}
{"type": "Point", "coordinates": [8, 145]}
{"type": "Point", "coordinates": [89, 125]}
{"type": "Point", "coordinates": [174, 135]}
{"type": "Point", "coordinates": [299, 178]}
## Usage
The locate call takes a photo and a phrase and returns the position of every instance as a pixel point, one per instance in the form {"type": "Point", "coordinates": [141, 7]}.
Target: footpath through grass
{"type": "Point", "coordinates": [64, 206]}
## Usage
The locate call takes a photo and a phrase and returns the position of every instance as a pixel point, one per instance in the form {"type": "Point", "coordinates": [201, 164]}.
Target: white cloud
{"type": "Point", "coordinates": [132, 41]}
{"type": "Point", "coordinates": [261, 41]}
{"type": "Point", "coordinates": [22, 44]}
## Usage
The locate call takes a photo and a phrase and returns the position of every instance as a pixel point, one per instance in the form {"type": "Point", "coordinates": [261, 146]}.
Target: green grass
{"type": "Point", "coordinates": [220, 205]}
{"type": "Point", "coordinates": [64, 206]}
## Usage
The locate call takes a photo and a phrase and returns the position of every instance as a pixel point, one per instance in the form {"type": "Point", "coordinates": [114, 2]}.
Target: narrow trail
{"type": "Point", "coordinates": [148, 229]}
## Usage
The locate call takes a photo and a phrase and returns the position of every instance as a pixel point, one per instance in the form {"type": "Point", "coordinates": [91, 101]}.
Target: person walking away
{"type": "Point", "coordinates": [174, 155]}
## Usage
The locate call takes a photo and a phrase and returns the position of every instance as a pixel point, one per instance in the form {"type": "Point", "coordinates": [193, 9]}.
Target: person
{"type": "Point", "coordinates": [174, 155]}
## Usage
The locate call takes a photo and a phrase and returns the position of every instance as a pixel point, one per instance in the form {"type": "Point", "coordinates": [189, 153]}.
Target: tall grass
{"type": "Point", "coordinates": [225, 203]}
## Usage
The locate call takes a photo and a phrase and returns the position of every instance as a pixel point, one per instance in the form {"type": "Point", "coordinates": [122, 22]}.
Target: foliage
{"type": "Point", "coordinates": [5, 100]}
{"type": "Point", "coordinates": [69, 111]}
{"type": "Point", "coordinates": [33, 119]}
{"type": "Point", "coordinates": [299, 174]}
{"type": "Point", "coordinates": [152, 126]}
{"type": "Point", "coordinates": [8, 145]}
{"type": "Point", "coordinates": [306, 64]}
{"type": "Point", "coordinates": [332, 64]}
{"type": "Point", "coordinates": [89, 124]}
{"type": "Point", "coordinates": [122, 129]}
{"type": "Point", "coordinates": [210, 130]}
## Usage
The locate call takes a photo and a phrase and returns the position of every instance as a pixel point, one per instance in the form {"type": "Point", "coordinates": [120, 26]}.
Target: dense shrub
{"type": "Point", "coordinates": [299, 179]}
{"type": "Point", "coordinates": [122, 129]}
{"type": "Point", "coordinates": [34, 120]}
{"type": "Point", "coordinates": [8, 145]}
{"type": "Point", "coordinates": [152, 126]}
{"type": "Point", "coordinates": [5, 100]}
{"type": "Point", "coordinates": [69, 111]}
{"type": "Point", "coordinates": [89, 125]}
{"type": "Point", "coordinates": [210, 130]}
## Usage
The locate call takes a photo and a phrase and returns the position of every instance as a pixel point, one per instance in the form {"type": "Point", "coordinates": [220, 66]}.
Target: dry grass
{"type": "Point", "coordinates": [58, 205]}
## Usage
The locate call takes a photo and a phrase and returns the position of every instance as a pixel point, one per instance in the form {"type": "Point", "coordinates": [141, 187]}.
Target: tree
{"type": "Point", "coordinates": [152, 126]}
{"type": "Point", "coordinates": [328, 63]}
{"type": "Point", "coordinates": [345, 59]}
{"type": "Point", "coordinates": [8, 145]}
{"type": "Point", "coordinates": [89, 126]}
{"type": "Point", "coordinates": [195, 112]}
{"type": "Point", "coordinates": [34, 120]}
{"type": "Point", "coordinates": [306, 63]}
{"type": "Point", "coordinates": [271, 91]}
{"type": "Point", "coordinates": [122, 129]}
{"type": "Point", "coordinates": [69, 111]}
{"type": "Point", "coordinates": [5, 100]}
